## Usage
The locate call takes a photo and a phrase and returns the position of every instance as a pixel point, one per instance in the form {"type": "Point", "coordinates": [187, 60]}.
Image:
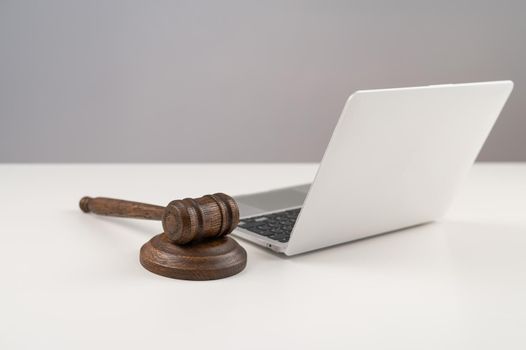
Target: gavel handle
{"type": "Point", "coordinates": [121, 208]}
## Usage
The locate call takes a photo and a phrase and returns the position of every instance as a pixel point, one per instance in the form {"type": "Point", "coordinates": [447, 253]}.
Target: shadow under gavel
{"type": "Point", "coordinates": [194, 245]}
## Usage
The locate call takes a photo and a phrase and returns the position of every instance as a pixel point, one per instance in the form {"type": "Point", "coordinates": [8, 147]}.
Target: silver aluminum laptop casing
{"type": "Point", "coordinates": [395, 160]}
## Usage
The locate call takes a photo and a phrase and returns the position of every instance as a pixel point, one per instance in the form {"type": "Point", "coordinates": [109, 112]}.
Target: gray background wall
{"type": "Point", "coordinates": [169, 81]}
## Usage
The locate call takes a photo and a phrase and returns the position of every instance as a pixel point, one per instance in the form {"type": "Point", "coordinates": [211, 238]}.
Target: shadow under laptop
{"type": "Point", "coordinates": [425, 247]}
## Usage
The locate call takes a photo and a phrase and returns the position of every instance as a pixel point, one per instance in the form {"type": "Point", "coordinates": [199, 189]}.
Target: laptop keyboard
{"type": "Point", "coordinates": [276, 226]}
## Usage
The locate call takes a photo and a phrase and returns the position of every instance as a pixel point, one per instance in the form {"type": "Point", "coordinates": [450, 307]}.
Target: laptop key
{"type": "Point", "coordinates": [276, 226]}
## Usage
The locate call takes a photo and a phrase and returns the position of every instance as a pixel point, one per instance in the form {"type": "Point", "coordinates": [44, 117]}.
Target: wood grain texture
{"type": "Point", "coordinates": [190, 220]}
{"type": "Point", "coordinates": [184, 220]}
{"type": "Point", "coordinates": [194, 245]}
{"type": "Point", "coordinates": [121, 208]}
{"type": "Point", "coordinates": [206, 260]}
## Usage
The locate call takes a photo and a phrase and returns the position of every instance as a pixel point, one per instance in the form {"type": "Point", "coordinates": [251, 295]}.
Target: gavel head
{"type": "Point", "coordinates": [189, 220]}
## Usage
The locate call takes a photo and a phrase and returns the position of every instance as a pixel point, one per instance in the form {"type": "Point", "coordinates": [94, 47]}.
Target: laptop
{"type": "Point", "coordinates": [395, 160]}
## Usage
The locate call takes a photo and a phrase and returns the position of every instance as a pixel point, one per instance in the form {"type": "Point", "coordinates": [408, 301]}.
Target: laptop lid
{"type": "Point", "coordinates": [395, 159]}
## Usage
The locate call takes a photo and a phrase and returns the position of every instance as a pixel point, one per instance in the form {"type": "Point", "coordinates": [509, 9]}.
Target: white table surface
{"type": "Point", "coordinates": [73, 281]}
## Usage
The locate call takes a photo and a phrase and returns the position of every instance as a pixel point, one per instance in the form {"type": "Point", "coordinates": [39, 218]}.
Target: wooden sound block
{"type": "Point", "coordinates": [200, 261]}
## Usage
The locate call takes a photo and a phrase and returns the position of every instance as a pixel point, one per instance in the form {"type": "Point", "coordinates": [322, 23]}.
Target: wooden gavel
{"type": "Point", "coordinates": [184, 220]}
{"type": "Point", "coordinates": [194, 244]}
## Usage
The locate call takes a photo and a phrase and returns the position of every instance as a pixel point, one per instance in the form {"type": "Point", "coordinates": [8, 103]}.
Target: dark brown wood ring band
{"type": "Point", "coordinates": [234, 214]}
{"type": "Point", "coordinates": [224, 210]}
{"type": "Point", "coordinates": [199, 216]}
{"type": "Point", "coordinates": [190, 214]}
